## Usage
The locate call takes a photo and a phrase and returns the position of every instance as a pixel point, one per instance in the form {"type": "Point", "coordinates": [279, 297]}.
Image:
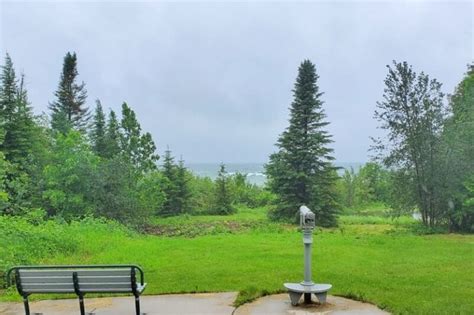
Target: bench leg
{"type": "Point", "coordinates": [81, 305]}
{"type": "Point", "coordinates": [137, 304]}
{"type": "Point", "coordinates": [27, 305]}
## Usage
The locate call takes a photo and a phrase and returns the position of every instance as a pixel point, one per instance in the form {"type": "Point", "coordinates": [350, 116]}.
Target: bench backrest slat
{"type": "Point", "coordinates": [90, 280]}
{"type": "Point", "coordinates": [63, 279]}
{"type": "Point", "coordinates": [80, 272]}
{"type": "Point", "coordinates": [48, 287]}
{"type": "Point", "coordinates": [69, 287]}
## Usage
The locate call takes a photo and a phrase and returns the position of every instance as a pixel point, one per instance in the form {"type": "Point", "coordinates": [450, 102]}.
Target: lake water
{"type": "Point", "coordinates": [254, 171]}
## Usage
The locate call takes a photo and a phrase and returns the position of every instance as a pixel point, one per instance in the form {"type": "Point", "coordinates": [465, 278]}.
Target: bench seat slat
{"type": "Point", "coordinates": [85, 291]}
{"type": "Point", "coordinates": [49, 291]}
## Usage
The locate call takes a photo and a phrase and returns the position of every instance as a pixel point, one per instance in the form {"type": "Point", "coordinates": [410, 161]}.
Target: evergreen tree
{"type": "Point", "coordinates": [148, 157]}
{"type": "Point", "coordinates": [130, 141]}
{"type": "Point", "coordinates": [138, 148]}
{"type": "Point", "coordinates": [170, 206]}
{"type": "Point", "coordinates": [112, 136]}
{"type": "Point", "coordinates": [69, 110]}
{"type": "Point", "coordinates": [223, 200]}
{"type": "Point", "coordinates": [301, 172]}
{"type": "Point", "coordinates": [17, 117]}
{"type": "Point", "coordinates": [18, 140]}
{"type": "Point", "coordinates": [182, 188]}
{"type": "Point", "coordinates": [8, 92]}
{"type": "Point", "coordinates": [98, 133]}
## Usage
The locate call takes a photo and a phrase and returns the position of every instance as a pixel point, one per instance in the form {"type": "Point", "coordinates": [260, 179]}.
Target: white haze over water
{"type": "Point", "coordinates": [254, 171]}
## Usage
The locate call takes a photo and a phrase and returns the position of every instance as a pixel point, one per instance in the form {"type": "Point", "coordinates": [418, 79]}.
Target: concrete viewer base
{"type": "Point", "coordinates": [279, 304]}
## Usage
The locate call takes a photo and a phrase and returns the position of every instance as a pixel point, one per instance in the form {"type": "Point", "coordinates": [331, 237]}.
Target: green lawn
{"type": "Point", "coordinates": [370, 259]}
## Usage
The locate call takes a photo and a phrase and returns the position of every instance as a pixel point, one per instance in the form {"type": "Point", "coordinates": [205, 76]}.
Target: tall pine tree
{"type": "Point", "coordinates": [222, 196]}
{"type": "Point", "coordinates": [301, 172]}
{"type": "Point", "coordinates": [98, 133]}
{"type": "Point", "coordinates": [18, 139]}
{"type": "Point", "coordinates": [112, 136]}
{"type": "Point", "coordinates": [69, 109]}
{"type": "Point", "coordinates": [170, 206]}
{"type": "Point", "coordinates": [182, 187]}
{"type": "Point", "coordinates": [17, 116]}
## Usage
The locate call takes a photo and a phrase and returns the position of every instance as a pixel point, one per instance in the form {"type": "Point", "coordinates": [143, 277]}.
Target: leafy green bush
{"type": "Point", "coordinates": [24, 240]}
{"type": "Point", "coordinates": [67, 178]}
{"type": "Point", "coordinates": [30, 239]}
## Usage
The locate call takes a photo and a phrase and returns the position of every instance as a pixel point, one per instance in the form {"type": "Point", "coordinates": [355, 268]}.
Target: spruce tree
{"type": "Point", "coordinates": [69, 109]}
{"type": "Point", "coordinates": [222, 196]}
{"type": "Point", "coordinates": [8, 102]}
{"type": "Point", "coordinates": [18, 139]}
{"type": "Point", "coordinates": [17, 116]}
{"type": "Point", "coordinates": [112, 136]}
{"type": "Point", "coordinates": [301, 172]}
{"type": "Point", "coordinates": [182, 187]}
{"type": "Point", "coordinates": [98, 133]}
{"type": "Point", "coordinates": [170, 206]}
{"type": "Point", "coordinates": [8, 92]}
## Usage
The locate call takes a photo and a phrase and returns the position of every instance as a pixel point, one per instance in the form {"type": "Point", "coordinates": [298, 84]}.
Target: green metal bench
{"type": "Point", "coordinates": [79, 280]}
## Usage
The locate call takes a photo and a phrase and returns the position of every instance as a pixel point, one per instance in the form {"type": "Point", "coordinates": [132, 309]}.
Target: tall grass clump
{"type": "Point", "coordinates": [31, 239]}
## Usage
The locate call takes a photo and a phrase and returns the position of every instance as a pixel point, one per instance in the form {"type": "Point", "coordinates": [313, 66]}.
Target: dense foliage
{"type": "Point", "coordinates": [111, 171]}
{"type": "Point", "coordinates": [428, 146]}
{"type": "Point", "coordinates": [369, 185]}
{"type": "Point", "coordinates": [458, 156]}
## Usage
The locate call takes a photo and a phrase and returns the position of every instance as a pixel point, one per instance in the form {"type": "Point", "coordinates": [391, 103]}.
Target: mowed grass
{"type": "Point", "coordinates": [375, 260]}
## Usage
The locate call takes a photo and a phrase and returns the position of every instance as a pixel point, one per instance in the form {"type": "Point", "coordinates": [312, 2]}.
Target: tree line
{"type": "Point", "coordinates": [74, 163]}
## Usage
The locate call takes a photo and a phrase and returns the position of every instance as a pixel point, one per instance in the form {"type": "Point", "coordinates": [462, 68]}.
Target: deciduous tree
{"type": "Point", "coordinates": [413, 115]}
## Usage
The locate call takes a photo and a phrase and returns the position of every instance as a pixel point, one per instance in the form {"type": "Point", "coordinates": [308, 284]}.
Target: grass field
{"type": "Point", "coordinates": [372, 259]}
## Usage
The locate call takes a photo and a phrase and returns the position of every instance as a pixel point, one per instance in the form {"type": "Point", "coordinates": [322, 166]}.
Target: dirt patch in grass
{"type": "Point", "coordinates": [198, 229]}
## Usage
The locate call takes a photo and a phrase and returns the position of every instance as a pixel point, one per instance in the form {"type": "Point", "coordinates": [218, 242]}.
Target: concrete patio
{"type": "Point", "coordinates": [193, 304]}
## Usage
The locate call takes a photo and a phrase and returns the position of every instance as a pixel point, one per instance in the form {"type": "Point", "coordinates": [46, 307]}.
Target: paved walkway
{"type": "Point", "coordinates": [173, 304]}
{"type": "Point", "coordinates": [192, 304]}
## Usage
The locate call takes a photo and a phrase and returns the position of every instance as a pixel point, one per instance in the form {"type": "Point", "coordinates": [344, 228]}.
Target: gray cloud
{"type": "Point", "coordinates": [214, 80]}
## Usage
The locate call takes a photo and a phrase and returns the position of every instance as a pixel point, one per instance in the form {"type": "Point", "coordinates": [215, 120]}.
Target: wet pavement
{"type": "Point", "coordinates": [193, 304]}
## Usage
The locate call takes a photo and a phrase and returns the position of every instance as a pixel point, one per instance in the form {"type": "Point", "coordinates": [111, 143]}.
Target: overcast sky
{"type": "Point", "coordinates": [213, 80]}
